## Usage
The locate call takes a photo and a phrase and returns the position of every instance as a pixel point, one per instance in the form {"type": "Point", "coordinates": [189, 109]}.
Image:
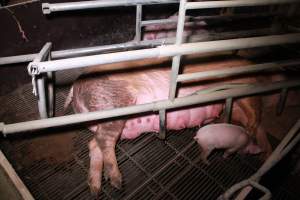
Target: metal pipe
{"type": "Point", "coordinates": [40, 80]}
{"type": "Point", "coordinates": [228, 109]}
{"type": "Point", "coordinates": [162, 124]}
{"type": "Point", "coordinates": [48, 8]}
{"type": "Point", "coordinates": [42, 104]}
{"type": "Point", "coordinates": [278, 65]}
{"type": "Point", "coordinates": [199, 18]}
{"type": "Point", "coordinates": [281, 150]}
{"type": "Point", "coordinates": [81, 51]}
{"type": "Point", "coordinates": [235, 3]}
{"type": "Point", "coordinates": [155, 106]}
{"type": "Point", "coordinates": [282, 100]}
{"type": "Point", "coordinates": [158, 22]}
{"type": "Point", "coordinates": [51, 94]}
{"type": "Point", "coordinates": [176, 58]}
{"type": "Point", "coordinates": [138, 22]}
{"type": "Point", "coordinates": [129, 45]}
{"type": "Point", "coordinates": [168, 50]}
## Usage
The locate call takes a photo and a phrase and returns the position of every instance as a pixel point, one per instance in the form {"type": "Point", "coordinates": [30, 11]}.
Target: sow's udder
{"type": "Point", "coordinates": [175, 120]}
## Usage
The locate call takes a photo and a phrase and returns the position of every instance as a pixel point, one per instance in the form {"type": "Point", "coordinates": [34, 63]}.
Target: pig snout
{"type": "Point", "coordinates": [230, 137]}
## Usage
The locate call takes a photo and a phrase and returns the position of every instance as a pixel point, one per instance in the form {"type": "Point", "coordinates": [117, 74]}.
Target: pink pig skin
{"type": "Point", "coordinates": [230, 137]}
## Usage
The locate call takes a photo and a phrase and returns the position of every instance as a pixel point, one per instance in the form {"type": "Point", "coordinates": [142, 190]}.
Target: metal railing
{"type": "Point", "coordinates": [42, 68]}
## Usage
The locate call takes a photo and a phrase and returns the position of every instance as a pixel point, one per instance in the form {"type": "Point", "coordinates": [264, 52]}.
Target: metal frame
{"type": "Point", "coordinates": [39, 69]}
{"type": "Point", "coordinates": [43, 84]}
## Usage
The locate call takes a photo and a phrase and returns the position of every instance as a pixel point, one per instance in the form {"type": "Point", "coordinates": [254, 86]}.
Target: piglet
{"type": "Point", "coordinates": [230, 137]}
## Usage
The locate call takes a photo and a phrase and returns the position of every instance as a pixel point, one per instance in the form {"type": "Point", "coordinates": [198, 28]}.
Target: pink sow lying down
{"type": "Point", "coordinates": [230, 137]}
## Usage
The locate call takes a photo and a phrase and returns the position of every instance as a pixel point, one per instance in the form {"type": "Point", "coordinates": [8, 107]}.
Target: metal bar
{"type": "Point", "coordinates": [18, 4]}
{"type": "Point", "coordinates": [228, 110]}
{"type": "Point", "coordinates": [162, 124]}
{"type": "Point", "coordinates": [14, 179]}
{"type": "Point", "coordinates": [81, 51]}
{"type": "Point", "coordinates": [44, 53]}
{"type": "Point", "coordinates": [50, 90]}
{"type": "Point", "coordinates": [138, 22]}
{"type": "Point", "coordinates": [42, 103]}
{"type": "Point", "coordinates": [279, 65]}
{"type": "Point", "coordinates": [281, 150]}
{"type": "Point", "coordinates": [235, 3]}
{"type": "Point", "coordinates": [129, 45]}
{"type": "Point", "coordinates": [40, 80]}
{"type": "Point", "coordinates": [57, 7]}
{"type": "Point", "coordinates": [267, 192]}
{"type": "Point", "coordinates": [176, 58]}
{"type": "Point", "coordinates": [158, 22]}
{"type": "Point", "coordinates": [199, 18]}
{"type": "Point", "coordinates": [155, 106]}
{"type": "Point", "coordinates": [168, 50]}
{"type": "Point", "coordinates": [282, 100]}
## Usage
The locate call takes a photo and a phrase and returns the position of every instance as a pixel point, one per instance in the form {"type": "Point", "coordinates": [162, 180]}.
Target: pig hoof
{"type": "Point", "coordinates": [106, 176]}
{"type": "Point", "coordinates": [116, 182]}
{"type": "Point", "coordinates": [95, 186]}
{"type": "Point", "coordinates": [95, 189]}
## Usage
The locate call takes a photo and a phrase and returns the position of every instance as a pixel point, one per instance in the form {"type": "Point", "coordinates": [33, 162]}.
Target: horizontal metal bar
{"type": "Point", "coordinates": [166, 51]}
{"type": "Point", "coordinates": [18, 4]}
{"type": "Point", "coordinates": [199, 18]}
{"type": "Point", "coordinates": [155, 106]}
{"type": "Point", "coordinates": [235, 3]}
{"type": "Point", "coordinates": [279, 65]}
{"type": "Point", "coordinates": [80, 51]}
{"type": "Point", "coordinates": [57, 7]}
{"type": "Point", "coordinates": [128, 45]}
{"type": "Point", "coordinates": [158, 22]}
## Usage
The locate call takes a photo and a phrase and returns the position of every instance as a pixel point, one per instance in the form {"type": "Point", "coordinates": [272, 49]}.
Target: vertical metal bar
{"type": "Point", "coordinates": [40, 79]}
{"type": "Point", "coordinates": [50, 90]}
{"type": "Point", "coordinates": [282, 100]}
{"type": "Point", "coordinates": [162, 124]}
{"type": "Point", "coordinates": [42, 105]}
{"type": "Point", "coordinates": [228, 110]}
{"type": "Point", "coordinates": [138, 23]}
{"type": "Point", "coordinates": [176, 59]}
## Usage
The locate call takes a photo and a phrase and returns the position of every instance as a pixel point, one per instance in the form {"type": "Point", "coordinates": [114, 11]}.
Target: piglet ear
{"type": "Point", "coordinates": [254, 149]}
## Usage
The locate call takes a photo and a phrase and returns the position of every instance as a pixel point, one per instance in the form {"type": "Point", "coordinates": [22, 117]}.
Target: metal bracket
{"type": "Point", "coordinates": [38, 80]}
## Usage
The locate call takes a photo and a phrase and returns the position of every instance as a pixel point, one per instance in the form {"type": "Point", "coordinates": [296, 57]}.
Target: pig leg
{"type": "Point", "coordinates": [204, 153]}
{"type": "Point", "coordinates": [96, 165]}
{"type": "Point", "coordinates": [107, 135]}
{"type": "Point", "coordinates": [228, 152]}
{"type": "Point", "coordinates": [251, 108]}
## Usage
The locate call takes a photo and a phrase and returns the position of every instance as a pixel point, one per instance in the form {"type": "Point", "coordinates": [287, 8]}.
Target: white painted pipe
{"type": "Point", "coordinates": [235, 3]}
{"type": "Point", "coordinates": [166, 51]}
{"type": "Point", "coordinates": [222, 73]}
{"type": "Point", "coordinates": [56, 7]}
{"type": "Point", "coordinates": [155, 106]}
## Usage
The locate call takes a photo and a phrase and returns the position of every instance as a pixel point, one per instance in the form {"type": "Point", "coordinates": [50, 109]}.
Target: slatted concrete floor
{"type": "Point", "coordinates": [151, 168]}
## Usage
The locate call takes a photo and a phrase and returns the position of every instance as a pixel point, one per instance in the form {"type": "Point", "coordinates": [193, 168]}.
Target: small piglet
{"type": "Point", "coordinates": [230, 137]}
